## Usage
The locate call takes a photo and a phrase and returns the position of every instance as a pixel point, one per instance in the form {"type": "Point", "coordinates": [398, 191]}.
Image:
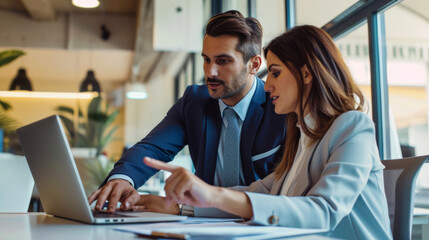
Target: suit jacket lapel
{"type": "Point", "coordinates": [213, 124]}
{"type": "Point", "coordinates": [302, 183]}
{"type": "Point", "coordinates": [278, 184]}
{"type": "Point", "coordinates": [248, 131]}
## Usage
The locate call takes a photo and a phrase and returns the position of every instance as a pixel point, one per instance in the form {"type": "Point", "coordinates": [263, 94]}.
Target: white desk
{"type": "Point", "coordinates": [39, 226]}
{"type": "Point", "coordinates": [26, 226]}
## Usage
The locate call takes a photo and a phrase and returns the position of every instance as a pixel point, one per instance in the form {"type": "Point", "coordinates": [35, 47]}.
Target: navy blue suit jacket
{"type": "Point", "coordinates": [195, 120]}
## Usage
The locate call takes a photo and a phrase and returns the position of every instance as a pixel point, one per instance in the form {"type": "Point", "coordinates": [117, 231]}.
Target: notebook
{"type": "Point", "coordinates": [57, 179]}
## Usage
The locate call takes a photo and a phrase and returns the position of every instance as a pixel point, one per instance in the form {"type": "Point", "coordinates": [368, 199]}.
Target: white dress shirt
{"type": "Point", "coordinates": [301, 158]}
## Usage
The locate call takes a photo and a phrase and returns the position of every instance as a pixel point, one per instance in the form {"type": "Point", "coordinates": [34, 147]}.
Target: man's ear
{"type": "Point", "coordinates": [306, 74]}
{"type": "Point", "coordinates": [254, 64]}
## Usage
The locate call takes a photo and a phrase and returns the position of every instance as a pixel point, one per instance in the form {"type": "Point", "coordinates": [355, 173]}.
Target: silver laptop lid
{"type": "Point", "coordinates": [54, 170]}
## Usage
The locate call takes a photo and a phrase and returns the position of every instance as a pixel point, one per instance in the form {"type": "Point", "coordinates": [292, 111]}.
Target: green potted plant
{"type": "Point", "coordinates": [90, 133]}
{"type": "Point", "coordinates": [7, 123]}
{"type": "Point", "coordinates": [93, 129]}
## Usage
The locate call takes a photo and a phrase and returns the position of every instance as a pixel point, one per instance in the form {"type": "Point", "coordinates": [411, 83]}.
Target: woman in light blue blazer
{"type": "Point", "coordinates": [330, 175]}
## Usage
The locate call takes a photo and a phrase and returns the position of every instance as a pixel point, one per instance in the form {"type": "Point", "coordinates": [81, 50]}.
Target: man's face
{"type": "Point", "coordinates": [227, 76]}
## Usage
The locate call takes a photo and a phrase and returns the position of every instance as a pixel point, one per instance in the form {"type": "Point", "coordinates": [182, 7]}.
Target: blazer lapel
{"type": "Point", "coordinates": [278, 184]}
{"type": "Point", "coordinates": [248, 131]}
{"type": "Point", "coordinates": [213, 124]}
{"type": "Point", "coordinates": [302, 182]}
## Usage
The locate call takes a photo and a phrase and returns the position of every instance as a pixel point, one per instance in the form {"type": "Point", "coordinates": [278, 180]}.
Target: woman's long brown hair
{"type": "Point", "coordinates": [333, 90]}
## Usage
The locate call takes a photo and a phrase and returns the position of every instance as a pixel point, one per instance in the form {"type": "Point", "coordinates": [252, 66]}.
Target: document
{"type": "Point", "coordinates": [216, 230]}
{"type": "Point", "coordinates": [196, 220]}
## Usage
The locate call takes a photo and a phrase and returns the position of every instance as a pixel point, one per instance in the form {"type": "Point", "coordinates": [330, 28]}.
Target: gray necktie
{"type": "Point", "coordinates": [231, 151]}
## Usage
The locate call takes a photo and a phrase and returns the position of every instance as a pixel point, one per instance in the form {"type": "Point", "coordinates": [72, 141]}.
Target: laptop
{"type": "Point", "coordinates": [57, 179]}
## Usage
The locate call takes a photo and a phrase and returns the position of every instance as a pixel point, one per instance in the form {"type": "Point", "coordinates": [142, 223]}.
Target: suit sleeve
{"type": "Point", "coordinates": [352, 151]}
{"type": "Point", "coordinates": [163, 143]}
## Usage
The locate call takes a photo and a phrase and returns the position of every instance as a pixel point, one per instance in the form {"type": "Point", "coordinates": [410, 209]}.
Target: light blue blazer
{"type": "Point", "coordinates": [341, 189]}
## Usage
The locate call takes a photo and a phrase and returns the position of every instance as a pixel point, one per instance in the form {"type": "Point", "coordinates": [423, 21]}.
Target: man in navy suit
{"type": "Point", "coordinates": [231, 52]}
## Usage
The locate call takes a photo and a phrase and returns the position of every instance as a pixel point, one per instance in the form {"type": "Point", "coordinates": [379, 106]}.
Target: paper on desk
{"type": "Point", "coordinates": [191, 220]}
{"type": "Point", "coordinates": [219, 229]}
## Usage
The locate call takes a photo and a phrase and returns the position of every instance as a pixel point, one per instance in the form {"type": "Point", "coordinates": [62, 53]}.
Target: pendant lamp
{"type": "Point", "coordinates": [136, 90]}
{"type": "Point", "coordinates": [90, 84]}
{"type": "Point", "coordinates": [86, 3]}
{"type": "Point", "coordinates": [21, 81]}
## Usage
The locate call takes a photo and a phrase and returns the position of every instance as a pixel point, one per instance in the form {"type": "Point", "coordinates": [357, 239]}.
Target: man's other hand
{"type": "Point", "coordinates": [116, 190]}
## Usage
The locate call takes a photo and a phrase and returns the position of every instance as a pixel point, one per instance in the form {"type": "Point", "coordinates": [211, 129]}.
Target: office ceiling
{"type": "Point", "coordinates": [419, 7]}
{"type": "Point", "coordinates": [65, 6]}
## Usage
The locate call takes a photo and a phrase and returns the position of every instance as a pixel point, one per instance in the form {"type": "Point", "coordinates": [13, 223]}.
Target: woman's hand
{"type": "Point", "coordinates": [153, 203]}
{"type": "Point", "coordinates": [183, 187]}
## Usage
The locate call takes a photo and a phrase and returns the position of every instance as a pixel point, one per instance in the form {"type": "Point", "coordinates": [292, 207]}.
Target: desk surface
{"type": "Point", "coordinates": [35, 226]}
{"type": "Point", "coordinates": [23, 226]}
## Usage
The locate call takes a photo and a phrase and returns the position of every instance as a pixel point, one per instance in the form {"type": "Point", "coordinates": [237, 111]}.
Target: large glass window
{"type": "Point", "coordinates": [272, 18]}
{"type": "Point", "coordinates": [408, 81]}
{"type": "Point", "coordinates": [407, 72]}
{"type": "Point", "coordinates": [318, 13]}
{"type": "Point", "coordinates": [354, 48]}
{"type": "Point", "coordinates": [240, 5]}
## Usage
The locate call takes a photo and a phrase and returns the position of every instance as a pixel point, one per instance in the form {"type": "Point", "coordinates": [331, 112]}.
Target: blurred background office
{"type": "Point", "coordinates": [112, 69]}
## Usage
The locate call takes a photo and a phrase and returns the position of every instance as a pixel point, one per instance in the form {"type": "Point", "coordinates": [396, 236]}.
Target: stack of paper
{"type": "Point", "coordinates": [218, 230]}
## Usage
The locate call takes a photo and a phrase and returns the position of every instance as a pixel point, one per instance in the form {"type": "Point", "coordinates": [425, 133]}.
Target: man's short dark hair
{"type": "Point", "coordinates": [233, 23]}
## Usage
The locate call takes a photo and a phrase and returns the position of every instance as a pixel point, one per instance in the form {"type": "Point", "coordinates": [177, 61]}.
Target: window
{"type": "Point", "coordinates": [408, 81]}
{"type": "Point", "coordinates": [318, 13]}
{"type": "Point", "coordinates": [354, 48]}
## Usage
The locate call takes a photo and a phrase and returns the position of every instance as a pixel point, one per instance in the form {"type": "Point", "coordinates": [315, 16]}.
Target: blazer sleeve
{"type": "Point", "coordinates": [162, 143]}
{"type": "Point", "coordinates": [352, 151]}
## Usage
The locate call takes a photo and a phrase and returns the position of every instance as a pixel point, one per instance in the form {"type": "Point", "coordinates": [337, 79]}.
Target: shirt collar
{"type": "Point", "coordinates": [308, 119]}
{"type": "Point", "coordinates": [241, 107]}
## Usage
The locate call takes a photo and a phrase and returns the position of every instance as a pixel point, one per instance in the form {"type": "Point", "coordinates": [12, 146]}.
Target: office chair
{"type": "Point", "coordinates": [400, 176]}
{"type": "Point", "coordinates": [16, 183]}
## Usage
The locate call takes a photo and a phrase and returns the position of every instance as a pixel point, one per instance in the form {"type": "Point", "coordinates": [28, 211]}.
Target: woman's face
{"type": "Point", "coordinates": [282, 85]}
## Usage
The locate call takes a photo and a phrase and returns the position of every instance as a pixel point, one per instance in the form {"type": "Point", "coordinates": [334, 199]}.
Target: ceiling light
{"type": "Point", "coordinates": [136, 90]}
{"type": "Point", "coordinates": [21, 82]}
{"type": "Point", "coordinates": [90, 84]}
{"type": "Point", "coordinates": [62, 95]}
{"type": "Point", "coordinates": [86, 3]}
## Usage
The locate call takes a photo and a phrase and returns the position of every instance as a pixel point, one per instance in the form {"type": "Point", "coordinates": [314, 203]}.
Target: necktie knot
{"type": "Point", "coordinates": [231, 117]}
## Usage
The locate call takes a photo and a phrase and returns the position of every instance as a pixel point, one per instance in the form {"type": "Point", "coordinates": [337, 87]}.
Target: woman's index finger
{"type": "Point", "coordinates": [159, 164]}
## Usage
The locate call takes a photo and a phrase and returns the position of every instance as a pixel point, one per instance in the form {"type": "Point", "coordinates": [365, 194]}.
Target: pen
{"type": "Point", "coordinates": [156, 234]}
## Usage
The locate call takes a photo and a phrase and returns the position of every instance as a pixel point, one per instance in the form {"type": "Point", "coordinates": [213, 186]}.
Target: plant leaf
{"type": "Point", "coordinates": [9, 55]}
{"type": "Point", "coordinates": [94, 106]}
{"type": "Point", "coordinates": [7, 123]}
{"type": "Point", "coordinates": [108, 138]}
{"type": "Point", "coordinates": [69, 125]}
{"type": "Point", "coordinates": [82, 141]}
{"type": "Point", "coordinates": [111, 118]}
{"type": "Point", "coordinates": [66, 109]}
{"type": "Point", "coordinates": [6, 106]}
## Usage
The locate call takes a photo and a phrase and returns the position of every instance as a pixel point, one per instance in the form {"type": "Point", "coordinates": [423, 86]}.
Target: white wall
{"type": "Point", "coordinates": [71, 31]}
{"type": "Point", "coordinates": [143, 115]}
